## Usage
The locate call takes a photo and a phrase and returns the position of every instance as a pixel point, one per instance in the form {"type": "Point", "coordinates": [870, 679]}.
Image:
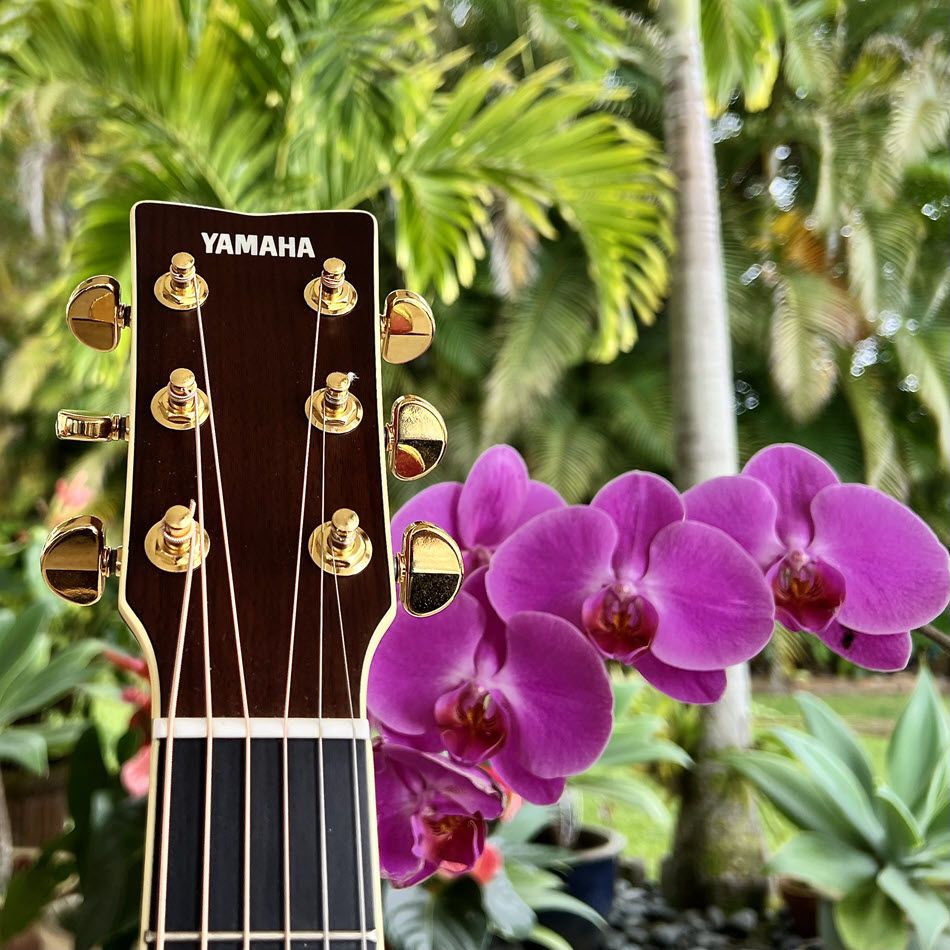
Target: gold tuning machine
{"type": "Point", "coordinates": [415, 438]}
{"type": "Point", "coordinates": [335, 409]}
{"type": "Point", "coordinates": [75, 561]}
{"type": "Point", "coordinates": [429, 569]}
{"type": "Point", "coordinates": [331, 293]}
{"type": "Point", "coordinates": [95, 313]}
{"type": "Point", "coordinates": [169, 542]}
{"type": "Point", "coordinates": [173, 406]}
{"type": "Point", "coordinates": [72, 426]}
{"type": "Point", "coordinates": [340, 545]}
{"type": "Point", "coordinates": [407, 326]}
{"type": "Point", "coordinates": [181, 287]}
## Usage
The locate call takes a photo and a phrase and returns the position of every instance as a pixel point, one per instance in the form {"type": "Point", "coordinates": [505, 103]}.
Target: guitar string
{"type": "Point", "coordinates": [293, 633]}
{"type": "Point", "coordinates": [209, 706]}
{"type": "Point", "coordinates": [162, 904]}
{"type": "Point", "coordinates": [246, 882]}
{"type": "Point", "coordinates": [357, 817]}
{"type": "Point", "coordinates": [324, 882]}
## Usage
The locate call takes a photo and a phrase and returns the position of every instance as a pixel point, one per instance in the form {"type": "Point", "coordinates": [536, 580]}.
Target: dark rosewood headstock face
{"type": "Point", "coordinates": [259, 335]}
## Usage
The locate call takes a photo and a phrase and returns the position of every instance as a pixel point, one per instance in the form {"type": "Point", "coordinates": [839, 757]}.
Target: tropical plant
{"type": "Point", "coordinates": [878, 849]}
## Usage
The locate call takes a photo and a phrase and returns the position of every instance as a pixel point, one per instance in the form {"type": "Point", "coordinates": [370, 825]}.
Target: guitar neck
{"type": "Point", "coordinates": [303, 843]}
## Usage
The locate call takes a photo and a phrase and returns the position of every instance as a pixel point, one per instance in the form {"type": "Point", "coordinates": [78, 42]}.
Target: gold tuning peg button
{"type": "Point", "coordinates": [73, 426]}
{"type": "Point", "coordinates": [408, 327]}
{"type": "Point", "coordinates": [415, 438]}
{"type": "Point", "coordinates": [95, 313]}
{"type": "Point", "coordinates": [429, 569]}
{"type": "Point", "coordinates": [75, 561]}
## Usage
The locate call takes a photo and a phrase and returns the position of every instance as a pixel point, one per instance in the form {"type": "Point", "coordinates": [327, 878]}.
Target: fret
{"type": "Point", "coordinates": [266, 836]}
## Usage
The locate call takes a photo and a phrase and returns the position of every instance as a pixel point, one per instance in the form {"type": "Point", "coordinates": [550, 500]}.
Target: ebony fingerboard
{"type": "Point", "coordinates": [226, 890]}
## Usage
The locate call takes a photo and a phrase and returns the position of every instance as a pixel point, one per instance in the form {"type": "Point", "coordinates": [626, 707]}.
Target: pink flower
{"type": "Point", "coordinates": [488, 865]}
{"type": "Point", "coordinates": [678, 600]}
{"type": "Point", "coordinates": [496, 499]}
{"type": "Point", "coordinates": [847, 563]}
{"type": "Point", "coordinates": [135, 772]}
{"type": "Point", "coordinates": [431, 813]}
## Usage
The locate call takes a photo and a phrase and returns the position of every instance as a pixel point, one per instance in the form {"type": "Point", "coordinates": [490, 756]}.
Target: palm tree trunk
{"type": "Point", "coordinates": [718, 847]}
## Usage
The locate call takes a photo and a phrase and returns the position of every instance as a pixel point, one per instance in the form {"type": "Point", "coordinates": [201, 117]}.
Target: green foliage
{"type": "Point", "coordinates": [33, 677]}
{"type": "Point", "coordinates": [881, 852]}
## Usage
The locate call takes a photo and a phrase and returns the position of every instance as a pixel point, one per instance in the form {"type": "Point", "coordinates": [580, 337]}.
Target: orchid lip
{"type": "Point", "coordinates": [473, 724]}
{"type": "Point", "coordinates": [808, 591]}
{"type": "Point", "coordinates": [620, 622]}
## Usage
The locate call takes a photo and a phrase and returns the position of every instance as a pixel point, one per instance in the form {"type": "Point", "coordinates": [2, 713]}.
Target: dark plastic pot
{"type": "Point", "coordinates": [802, 902]}
{"type": "Point", "coordinates": [591, 878]}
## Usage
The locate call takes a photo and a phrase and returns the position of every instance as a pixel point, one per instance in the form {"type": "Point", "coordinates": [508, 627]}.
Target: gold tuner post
{"type": "Point", "coordinates": [169, 542]}
{"type": "Point", "coordinates": [429, 569]}
{"type": "Point", "coordinates": [407, 326]}
{"type": "Point", "coordinates": [340, 545]}
{"type": "Point", "coordinates": [95, 313]}
{"type": "Point", "coordinates": [181, 287]}
{"type": "Point", "coordinates": [330, 293]}
{"type": "Point", "coordinates": [72, 426]}
{"type": "Point", "coordinates": [75, 561]}
{"type": "Point", "coordinates": [335, 408]}
{"type": "Point", "coordinates": [173, 406]}
{"type": "Point", "coordinates": [415, 438]}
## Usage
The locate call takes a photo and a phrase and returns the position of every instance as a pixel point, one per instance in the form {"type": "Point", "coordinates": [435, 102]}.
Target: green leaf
{"type": "Point", "coordinates": [800, 800]}
{"type": "Point", "coordinates": [506, 909]}
{"type": "Point", "coordinates": [548, 938]}
{"type": "Point", "coordinates": [624, 788]}
{"type": "Point", "coordinates": [417, 919]}
{"type": "Point", "coordinates": [542, 890]}
{"type": "Point", "coordinates": [24, 747]}
{"type": "Point", "coordinates": [19, 641]}
{"type": "Point", "coordinates": [833, 732]}
{"type": "Point", "coordinates": [926, 910]}
{"type": "Point", "coordinates": [838, 784]}
{"type": "Point", "coordinates": [30, 890]}
{"type": "Point", "coordinates": [867, 919]}
{"type": "Point", "coordinates": [825, 862]}
{"type": "Point", "coordinates": [918, 744]}
{"type": "Point", "coordinates": [903, 831]}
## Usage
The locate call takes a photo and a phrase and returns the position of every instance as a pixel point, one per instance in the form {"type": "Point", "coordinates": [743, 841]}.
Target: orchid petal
{"type": "Point", "coordinates": [398, 861]}
{"type": "Point", "coordinates": [640, 504]}
{"type": "Point", "coordinates": [539, 498]}
{"type": "Point", "coordinates": [492, 498]}
{"type": "Point", "coordinates": [885, 652]}
{"type": "Point", "coordinates": [553, 563]}
{"type": "Point", "coordinates": [744, 508]}
{"type": "Point", "coordinates": [896, 571]}
{"type": "Point", "coordinates": [714, 606]}
{"type": "Point", "coordinates": [540, 791]}
{"type": "Point", "coordinates": [686, 686]}
{"type": "Point", "coordinates": [557, 692]}
{"type": "Point", "coordinates": [437, 503]}
{"type": "Point", "coordinates": [794, 476]}
{"type": "Point", "coordinates": [420, 659]}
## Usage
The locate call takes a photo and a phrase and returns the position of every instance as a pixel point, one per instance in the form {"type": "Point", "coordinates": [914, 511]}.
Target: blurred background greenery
{"type": "Point", "coordinates": [513, 152]}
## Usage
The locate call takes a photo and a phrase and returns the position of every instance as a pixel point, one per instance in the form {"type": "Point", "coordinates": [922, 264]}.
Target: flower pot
{"type": "Point", "coordinates": [591, 878]}
{"type": "Point", "coordinates": [802, 902]}
{"type": "Point", "coordinates": [36, 805]}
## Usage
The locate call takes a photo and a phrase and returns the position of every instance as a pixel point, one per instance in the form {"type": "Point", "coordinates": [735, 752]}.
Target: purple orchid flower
{"type": "Point", "coordinates": [530, 695]}
{"type": "Point", "coordinates": [496, 499]}
{"type": "Point", "coordinates": [847, 563]}
{"type": "Point", "coordinates": [678, 600]}
{"type": "Point", "coordinates": [431, 813]}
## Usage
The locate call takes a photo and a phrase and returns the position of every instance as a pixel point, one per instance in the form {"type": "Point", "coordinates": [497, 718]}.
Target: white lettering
{"type": "Point", "coordinates": [267, 246]}
{"type": "Point", "coordinates": [305, 248]}
{"type": "Point", "coordinates": [245, 244]}
{"type": "Point", "coordinates": [224, 245]}
{"type": "Point", "coordinates": [285, 246]}
{"type": "Point", "coordinates": [209, 241]}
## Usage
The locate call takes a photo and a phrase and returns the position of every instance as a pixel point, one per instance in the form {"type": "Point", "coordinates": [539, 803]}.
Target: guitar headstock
{"type": "Point", "coordinates": [256, 345]}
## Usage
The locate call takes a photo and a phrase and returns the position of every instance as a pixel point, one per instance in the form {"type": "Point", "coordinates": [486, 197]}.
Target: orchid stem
{"type": "Point", "coordinates": [936, 636]}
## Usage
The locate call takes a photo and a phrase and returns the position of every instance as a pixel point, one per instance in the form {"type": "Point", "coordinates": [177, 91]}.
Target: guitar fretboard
{"type": "Point", "coordinates": [268, 928]}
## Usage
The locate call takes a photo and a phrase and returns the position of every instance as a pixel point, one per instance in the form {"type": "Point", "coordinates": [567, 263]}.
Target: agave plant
{"type": "Point", "coordinates": [879, 850]}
